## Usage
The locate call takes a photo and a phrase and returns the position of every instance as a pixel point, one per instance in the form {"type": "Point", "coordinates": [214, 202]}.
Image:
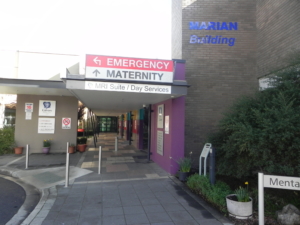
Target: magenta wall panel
{"type": "Point", "coordinates": [174, 141]}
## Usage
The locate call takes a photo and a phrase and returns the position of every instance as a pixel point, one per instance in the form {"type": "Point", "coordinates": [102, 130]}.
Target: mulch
{"type": "Point", "coordinates": [253, 220]}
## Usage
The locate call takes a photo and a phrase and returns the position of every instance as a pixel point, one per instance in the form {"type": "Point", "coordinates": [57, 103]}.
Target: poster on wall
{"type": "Point", "coordinates": [160, 116]}
{"type": "Point", "coordinates": [28, 116]}
{"type": "Point", "coordinates": [46, 125]}
{"type": "Point", "coordinates": [66, 123]}
{"type": "Point", "coordinates": [160, 142]}
{"type": "Point", "coordinates": [166, 124]}
{"type": "Point", "coordinates": [29, 107]}
{"type": "Point", "coordinates": [47, 108]}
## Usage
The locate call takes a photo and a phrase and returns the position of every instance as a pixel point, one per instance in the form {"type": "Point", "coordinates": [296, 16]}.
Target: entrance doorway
{"type": "Point", "coordinates": [107, 124]}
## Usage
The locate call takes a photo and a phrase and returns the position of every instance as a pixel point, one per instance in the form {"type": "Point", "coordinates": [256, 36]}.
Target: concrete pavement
{"type": "Point", "coordinates": [129, 190]}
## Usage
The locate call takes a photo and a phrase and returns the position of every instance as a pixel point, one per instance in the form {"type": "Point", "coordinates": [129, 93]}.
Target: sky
{"type": "Point", "coordinates": [131, 28]}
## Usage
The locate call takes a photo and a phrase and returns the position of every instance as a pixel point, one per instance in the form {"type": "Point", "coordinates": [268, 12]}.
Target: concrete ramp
{"type": "Point", "coordinates": [45, 178]}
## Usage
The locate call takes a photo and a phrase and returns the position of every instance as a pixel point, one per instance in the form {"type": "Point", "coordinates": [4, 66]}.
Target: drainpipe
{"type": "Point", "coordinates": [149, 131]}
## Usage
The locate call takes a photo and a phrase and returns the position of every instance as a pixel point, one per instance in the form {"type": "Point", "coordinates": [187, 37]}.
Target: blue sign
{"type": "Point", "coordinates": [210, 39]}
{"type": "Point", "coordinates": [213, 25]}
{"type": "Point", "coordinates": [47, 105]}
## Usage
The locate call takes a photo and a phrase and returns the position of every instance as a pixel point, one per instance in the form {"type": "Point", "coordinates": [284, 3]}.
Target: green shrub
{"type": "Point", "coordinates": [81, 140]}
{"type": "Point", "coordinates": [262, 132]}
{"type": "Point", "coordinates": [185, 164]}
{"type": "Point", "coordinates": [6, 140]}
{"type": "Point", "coordinates": [215, 194]}
{"type": "Point", "coordinates": [242, 194]}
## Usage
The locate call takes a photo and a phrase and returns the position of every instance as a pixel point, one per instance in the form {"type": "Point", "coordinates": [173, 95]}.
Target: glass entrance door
{"type": "Point", "coordinates": [108, 124]}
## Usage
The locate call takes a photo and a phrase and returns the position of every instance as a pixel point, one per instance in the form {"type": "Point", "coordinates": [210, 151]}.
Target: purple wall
{"type": "Point", "coordinates": [179, 73]}
{"type": "Point", "coordinates": [174, 141]}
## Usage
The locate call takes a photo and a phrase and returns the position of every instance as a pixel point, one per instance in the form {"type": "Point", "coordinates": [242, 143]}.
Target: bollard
{"type": "Point", "coordinates": [67, 166]}
{"type": "Point", "coordinates": [99, 165]}
{"type": "Point", "coordinates": [116, 144]}
{"type": "Point", "coordinates": [27, 159]}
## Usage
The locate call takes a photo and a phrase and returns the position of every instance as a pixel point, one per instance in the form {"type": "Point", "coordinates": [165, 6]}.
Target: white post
{"type": "Point", "coordinates": [27, 152]}
{"type": "Point", "coordinates": [67, 166]}
{"type": "Point", "coordinates": [99, 165]}
{"type": "Point", "coordinates": [261, 216]}
{"type": "Point", "coordinates": [116, 144]}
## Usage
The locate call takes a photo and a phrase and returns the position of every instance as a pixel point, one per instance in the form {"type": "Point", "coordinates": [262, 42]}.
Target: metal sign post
{"type": "Point", "coordinates": [204, 155]}
{"type": "Point", "coordinates": [67, 166]}
{"type": "Point", "coordinates": [27, 157]}
{"type": "Point", "coordinates": [261, 210]}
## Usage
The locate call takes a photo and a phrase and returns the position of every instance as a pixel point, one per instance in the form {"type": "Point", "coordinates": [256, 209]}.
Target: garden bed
{"type": "Point", "coordinates": [269, 220]}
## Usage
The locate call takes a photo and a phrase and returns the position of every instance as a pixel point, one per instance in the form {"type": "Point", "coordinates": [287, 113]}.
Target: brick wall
{"type": "Point", "coordinates": [278, 33]}
{"type": "Point", "coordinates": [217, 73]}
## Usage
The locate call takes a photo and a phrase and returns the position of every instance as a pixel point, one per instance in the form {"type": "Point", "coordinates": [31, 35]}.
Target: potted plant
{"type": "Point", "coordinates": [239, 204]}
{"type": "Point", "coordinates": [185, 165]}
{"type": "Point", "coordinates": [71, 149]}
{"type": "Point", "coordinates": [46, 146]}
{"type": "Point", "coordinates": [81, 144]}
{"type": "Point", "coordinates": [18, 150]}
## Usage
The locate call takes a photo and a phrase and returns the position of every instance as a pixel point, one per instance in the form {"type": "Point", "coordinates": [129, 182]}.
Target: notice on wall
{"type": "Point", "coordinates": [66, 123]}
{"type": "Point", "coordinates": [28, 116]}
{"type": "Point", "coordinates": [46, 125]}
{"type": "Point", "coordinates": [160, 116]}
{"type": "Point", "coordinates": [47, 108]}
{"type": "Point", "coordinates": [160, 142]}
{"type": "Point", "coordinates": [29, 107]}
{"type": "Point", "coordinates": [167, 118]}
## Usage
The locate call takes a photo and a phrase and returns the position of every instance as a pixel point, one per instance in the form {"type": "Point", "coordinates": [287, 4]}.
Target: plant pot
{"type": "Point", "coordinates": [81, 147]}
{"type": "Point", "coordinates": [71, 149]}
{"type": "Point", "coordinates": [239, 210]}
{"type": "Point", "coordinates": [182, 176]}
{"type": "Point", "coordinates": [46, 150]}
{"type": "Point", "coordinates": [18, 150]}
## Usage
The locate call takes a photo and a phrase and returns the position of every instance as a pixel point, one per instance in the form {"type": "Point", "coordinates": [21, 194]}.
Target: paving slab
{"type": "Point", "coordinates": [129, 190]}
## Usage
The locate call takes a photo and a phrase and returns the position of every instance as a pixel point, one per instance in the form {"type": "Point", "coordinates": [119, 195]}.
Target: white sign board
{"type": "Point", "coordinates": [129, 69]}
{"type": "Point", "coordinates": [160, 116]}
{"type": "Point", "coordinates": [205, 150]}
{"type": "Point", "coordinates": [167, 124]}
{"type": "Point", "coordinates": [66, 123]}
{"type": "Point", "coordinates": [47, 108]}
{"type": "Point", "coordinates": [29, 107]}
{"type": "Point", "coordinates": [281, 182]}
{"type": "Point", "coordinates": [46, 125]}
{"type": "Point", "coordinates": [127, 87]}
{"type": "Point", "coordinates": [160, 142]}
{"type": "Point", "coordinates": [28, 116]}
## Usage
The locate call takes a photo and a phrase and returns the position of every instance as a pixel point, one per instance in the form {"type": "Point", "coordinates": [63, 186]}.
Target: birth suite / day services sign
{"type": "Point", "coordinates": [129, 69]}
